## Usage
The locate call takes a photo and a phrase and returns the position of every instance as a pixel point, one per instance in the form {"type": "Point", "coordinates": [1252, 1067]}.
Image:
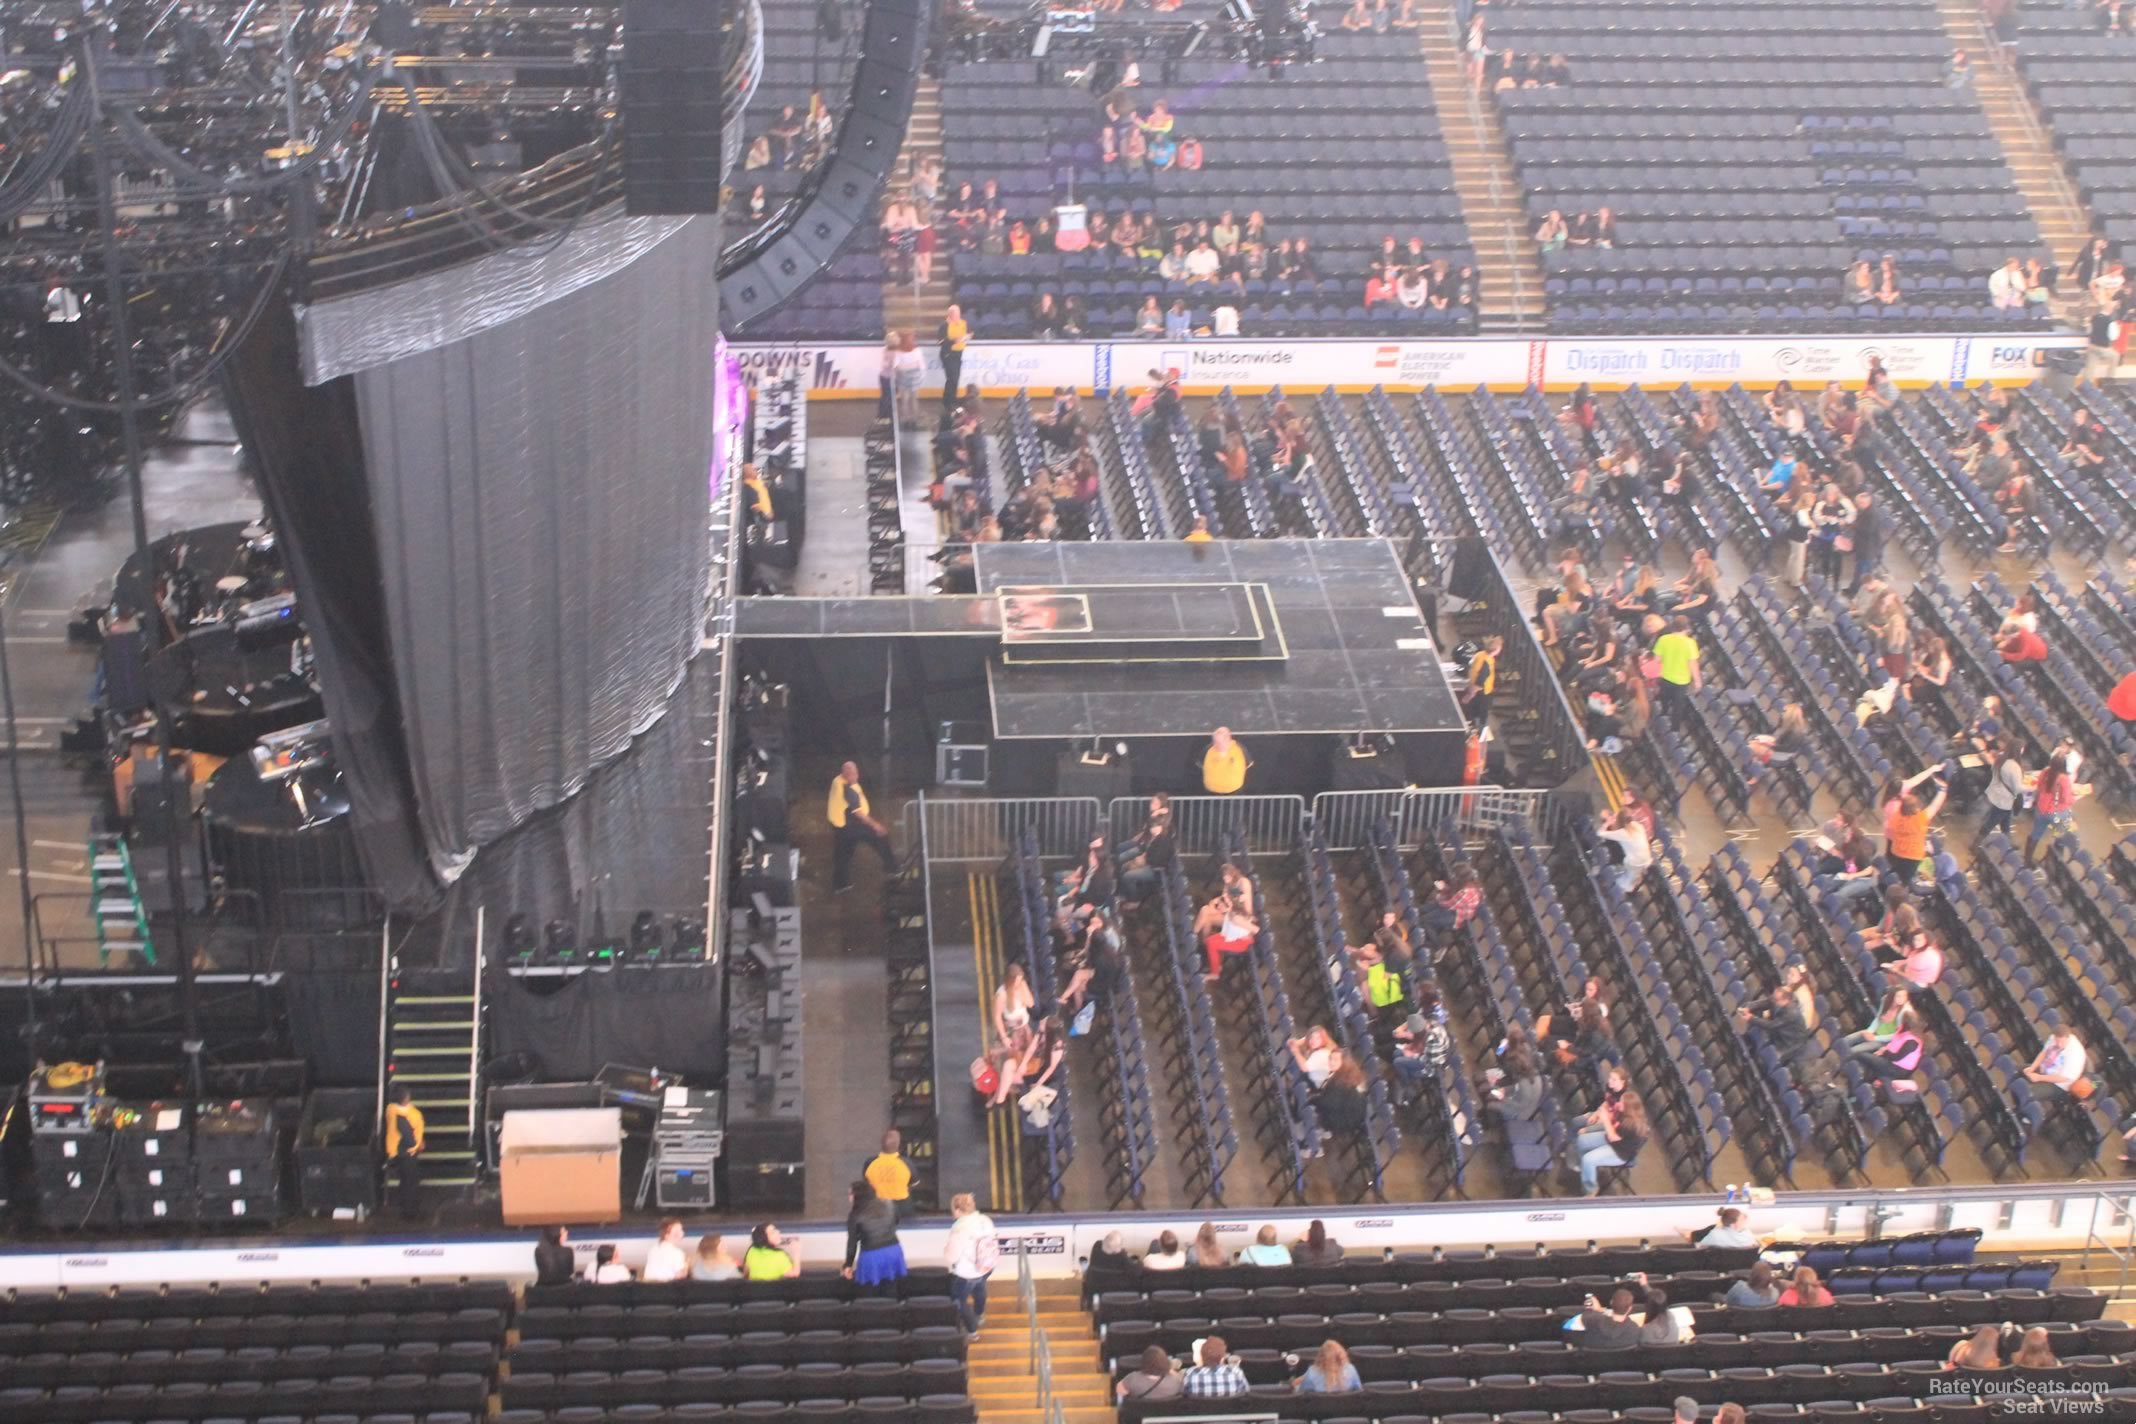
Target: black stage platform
{"type": "Point", "coordinates": [1351, 651]}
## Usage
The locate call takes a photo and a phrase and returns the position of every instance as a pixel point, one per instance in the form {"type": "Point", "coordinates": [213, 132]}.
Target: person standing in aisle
{"type": "Point", "coordinates": [972, 1252]}
{"type": "Point", "coordinates": [1224, 764]}
{"type": "Point", "coordinates": [851, 826]}
{"type": "Point", "coordinates": [891, 1175]}
{"type": "Point", "coordinates": [955, 333]}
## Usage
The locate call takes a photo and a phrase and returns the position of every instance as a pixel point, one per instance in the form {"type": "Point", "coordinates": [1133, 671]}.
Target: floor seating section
{"type": "Point", "coordinates": [2080, 79]}
{"type": "Point", "coordinates": [1749, 158]}
{"type": "Point", "coordinates": [1344, 152]}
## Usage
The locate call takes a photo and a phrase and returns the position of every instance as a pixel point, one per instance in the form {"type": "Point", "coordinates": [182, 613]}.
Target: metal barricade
{"type": "Point", "coordinates": [1200, 824]}
{"type": "Point", "coordinates": [983, 830]}
{"type": "Point", "coordinates": [1346, 818]}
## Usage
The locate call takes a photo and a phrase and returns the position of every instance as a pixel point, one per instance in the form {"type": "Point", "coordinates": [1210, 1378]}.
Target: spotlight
{"type": "Point", "coordinates": [687, 936]}
{"type": "Point", "coordinates": [645, 933]}
{"type": "Point", "coordinates": [519, 940]}
{"type": "Point", "coordinates": [559, 942]}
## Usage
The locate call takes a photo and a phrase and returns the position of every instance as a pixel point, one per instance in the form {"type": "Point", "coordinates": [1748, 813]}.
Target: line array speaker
{"type": "Point", "coordinates": [843, 191]}
{"type": "Point", "coordinates": [671, 107]}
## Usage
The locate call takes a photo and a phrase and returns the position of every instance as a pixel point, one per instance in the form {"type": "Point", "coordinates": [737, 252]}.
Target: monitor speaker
{"type": "Point", "coordinates": [671, 104]}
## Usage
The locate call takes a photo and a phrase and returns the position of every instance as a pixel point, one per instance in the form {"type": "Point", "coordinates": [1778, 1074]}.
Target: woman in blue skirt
{"type": "Point", "coordinates": [873, 1259]}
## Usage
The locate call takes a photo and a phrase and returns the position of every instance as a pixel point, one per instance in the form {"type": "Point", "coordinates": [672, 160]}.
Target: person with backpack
{"type": "Point", "coordinates": [972, 1252]}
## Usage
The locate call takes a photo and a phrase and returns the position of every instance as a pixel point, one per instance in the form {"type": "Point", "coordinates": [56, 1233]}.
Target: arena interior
{"type": "Point", "coordinates": [868, 712]}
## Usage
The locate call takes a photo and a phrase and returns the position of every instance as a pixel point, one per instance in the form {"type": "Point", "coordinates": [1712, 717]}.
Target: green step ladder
{"type": "Point", "coordinates": [115, 901]}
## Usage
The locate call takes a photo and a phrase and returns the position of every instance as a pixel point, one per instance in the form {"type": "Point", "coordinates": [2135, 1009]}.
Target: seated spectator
{"type": "Point", "coordinates": [1596, 1328]}
{"type": "Point", "coordinates": [1755, 1291]}
{"type": "Point", "coordinates": [2022, 645]}
{"type": "Point", "coordinates": [1314, 1053]}
{"type": "Point", "coordinates": [1178, 321]}
{"type": "Point", "coordinates": [1787, 743]}
{"type": "Point", "coordinates": [1357, 17]}
{"type": "Point", "coordinates": [1662, 1325]}
{"type": "Point", "coordinates": [1149, 320]}
{"type": "Point", "coordinates": [1316, 1247]}
{"type": "Point", "coordinates": [1931, 665]}
{"type": "Point", "coordinates": [1779, 1022]}
{"type": "Point", "coordinates": [1218, 1376]}
{"type": "Point", "coordinates": [767, 1258]}
{"type": "Point", "coordinates": [714, 1262]}
{"type": "Point", "coordinates": [1632, 838]}
{"type": "Point", "coordinates": [1164, 1254]}
{"type": "Point", "coordinates": [1894, 1062]}
{"type": "Point", "coordinates": [1557, 73]}
{"type": "Point", "coordinates": [1209, 1253]}
{"type": "Point", "coordinates": [1516, 1091]}
{"type": "Point", "coordinates": [1224, 320]}
{"type": "Point", "coordinates": [1331, 1371]}
{"type": "Point", "coordinates": [1892, 1016]}
{"type": "Point", "coordinates": [1861, 284]}
{"type": "Point", "coordinates": [2086, 445]}
{"type": "Point", "coordinates": [607, 1270]}
{"type": "Point", "coordinates": [1381, 286]}
{"type": "Point", "coordinates": [2121, 702]}
{"type": "Point", "coordinates": [1580, 232]}
{"type": "Point", "coordinates": [2056, 1073]}
{"type": "Point", "coordinates": [1265, 1250]}
{"type": "Point", "coordinates": [1805, 1289]}
{"type": "Point", "coordinates": [1157, 1377]}
{"type": "Point", "coordinates": [1110, 1255]}
{"type": "Point", "coordinates": [1551, 233]}
{"type": "Point", "coordinates": [1610, 1139]}
{"type": "Point", "coordinates": [1854, 872]}
{"type": "Point", "coordinates": [1605, 220]}
{"type": "Point", "coordinates": [1981, 1350]}
{"type": "Point", "coordinates": [1203, 265]}
{"type": "Point", "coordinates": [665, 1260]}
{"type": "Point", "coordinates": [1887, 281]}
{"type": "Point", "coordinates": [1422, 1046]}
{"type": "Point", "coordinates": [2035, 1351]}
{"type": "Point", "coordinates": [1411, 290]}
{"type": "Point", "coordinates": [1046, 316]}
{"type": "Point", "coordinates": [2006, 285]}
{"type": "Point", "coordinates": [1454, 903]}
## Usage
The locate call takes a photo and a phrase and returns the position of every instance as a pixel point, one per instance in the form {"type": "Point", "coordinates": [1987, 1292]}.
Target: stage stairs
{"type": "Point", "coordinates": [1004, 1384]}
{"type": "Point", "coordinates": [433, 1020]}
{"type": "Point", "coordinates": [115, 901]}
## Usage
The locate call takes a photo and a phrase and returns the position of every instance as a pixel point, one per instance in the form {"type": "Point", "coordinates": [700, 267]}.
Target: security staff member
{"type": "Point", "coordinates": [891, 1175]}
{"type": "Point", "coordinates": [956, 332]}
{"type": "Point", "coordinates": [1225, 764]}
{"type": "Point", "coordinates": [851, 826]}
{"type": "Point", "coordinates": [757, 493]}
{"type": "Point", "coordinates": [1482, 682]}
{"type": "Point", "coordinates": [404, 1143]}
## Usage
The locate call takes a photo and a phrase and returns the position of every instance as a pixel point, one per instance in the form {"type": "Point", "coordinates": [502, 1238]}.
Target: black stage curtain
{"type": "Point", "coordinates": [540, 491]}
{"type": "Point", "coordinates": [667, 1018]}
{"type": "Point", "coordinates": [333, 1024]}
{"type": "Point", "coordinates": [307, 452]}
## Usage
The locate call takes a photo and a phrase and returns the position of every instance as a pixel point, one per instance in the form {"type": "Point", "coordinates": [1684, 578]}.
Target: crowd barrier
{"type": "Point", "coordinates": [985, 828]}
{"type": "Point", "coordinates": [2029, 1218]}
{"type": "Point", "coordinates": [999, 368]}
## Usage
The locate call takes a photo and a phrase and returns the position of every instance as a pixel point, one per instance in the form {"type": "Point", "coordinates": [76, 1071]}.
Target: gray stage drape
{"type": "Point", "coordinates": [539, 496]}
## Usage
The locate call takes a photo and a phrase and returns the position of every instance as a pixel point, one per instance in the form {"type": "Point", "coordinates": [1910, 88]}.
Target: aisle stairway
{"type": "Point", "coordinates": [1484, 178]}
{"type": "Point", "coordinates": [432, 1023]}
{"type": "Point", "coordinates": [1002, 1383]}
{"type": "Point", "coordinates": [904, 308]}
{"type": "Point", "coordinates": [2054, 200]}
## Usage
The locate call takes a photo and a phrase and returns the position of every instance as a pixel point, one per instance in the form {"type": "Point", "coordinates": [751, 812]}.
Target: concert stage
{"type": "Point", "coordinates": [1298, 646]}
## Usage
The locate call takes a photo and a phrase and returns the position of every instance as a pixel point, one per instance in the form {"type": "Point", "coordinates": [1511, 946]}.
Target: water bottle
{"type": "Point", "coordinates": [1731, 1193]}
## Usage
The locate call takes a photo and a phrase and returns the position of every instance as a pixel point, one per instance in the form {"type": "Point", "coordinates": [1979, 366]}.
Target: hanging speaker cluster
{"type": "Point", "coordinates": [759, 277]}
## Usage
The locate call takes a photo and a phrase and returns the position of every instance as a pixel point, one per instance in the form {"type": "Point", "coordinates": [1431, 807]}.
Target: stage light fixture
{"type": "Point", "coordinates": [558, 942]}
{"type": "Point", "coordinates": [645, 933]}
{"type": "Point", "coordinates": [519, 942]}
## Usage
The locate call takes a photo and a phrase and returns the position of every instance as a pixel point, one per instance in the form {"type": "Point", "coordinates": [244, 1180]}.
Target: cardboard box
{"type": "Point", "coordinates": [561, 1166]}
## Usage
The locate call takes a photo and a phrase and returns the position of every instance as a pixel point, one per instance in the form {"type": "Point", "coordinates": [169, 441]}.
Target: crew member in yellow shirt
{"type": "Point", "coordinates": [851, 825]}
{"type": "Point", "coordinates": [1199, 534]}
{"type": "Point", "coordinates": [404, 1143]}
{"type": "Point", "coordinates": [757, 492]}
{"type": "Point", "coordinates": [956, 332]}
{"type": "Point", "coordinates": [891, 1175]}
{"type": "Point", "coordinates": [1225, 764]}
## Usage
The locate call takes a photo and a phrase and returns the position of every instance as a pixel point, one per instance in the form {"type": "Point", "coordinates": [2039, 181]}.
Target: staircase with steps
{"type": "Point", "coordinates": [432, 1019]}
{"type": "Point", "coordinates": [906, 307]}
{"type": "Point", "coordinates": [115, 901]}
{"type": "Point", "coordinates": [2054, 200]}
{"type": "Point", "coordinates": [1003, 1385]}
{"type": "Point", "coordinates": [1484, 178]}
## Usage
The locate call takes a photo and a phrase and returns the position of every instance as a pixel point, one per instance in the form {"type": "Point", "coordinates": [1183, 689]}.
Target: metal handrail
{"type": "Point", "coordinates": [2124, 1216]}
{"type": "Point", "coordinates": [385, 984]}
{"type": "Point", "coordinates": [1490, 171]}
{"type": "Point", "coordinates": [1999, 57]}
{"type": "Point", "coordinates": [474, 1047]}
